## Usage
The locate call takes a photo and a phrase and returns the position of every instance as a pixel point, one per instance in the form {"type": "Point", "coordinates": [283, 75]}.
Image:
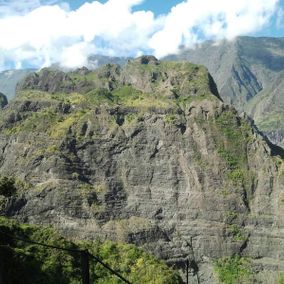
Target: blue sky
{"type": "Point", "coordinates": [159, 7]}
{"type": "Point", "coordinates": [156, 6]}
{"type": "Point", "coordinates": [38, 33]}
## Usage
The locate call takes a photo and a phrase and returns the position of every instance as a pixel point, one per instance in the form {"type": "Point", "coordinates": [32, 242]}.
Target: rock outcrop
{"type": "Point", "coordinates": [148, 155]}
{"type": "Point", "coordinates": [249, 74]}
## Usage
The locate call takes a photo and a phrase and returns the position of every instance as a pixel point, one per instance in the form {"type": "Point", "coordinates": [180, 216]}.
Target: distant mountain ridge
{"type": "Point", "coordinates": [9, 80]}
{"type": "Point", "coordinates": [97, 60]}
{"type": "Point", "coordinates": [249, 73]}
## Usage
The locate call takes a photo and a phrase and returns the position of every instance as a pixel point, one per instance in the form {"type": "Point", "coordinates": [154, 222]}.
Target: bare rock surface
{"type": "Point", "coordinates": [149, 156]}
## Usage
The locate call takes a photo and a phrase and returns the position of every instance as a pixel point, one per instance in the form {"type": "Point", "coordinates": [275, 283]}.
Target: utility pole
{"type": "Point", "coordinates": [192, 264]}
{"type": "Point", "coordinates": [85, 267]}
{"type": "Point", "coordinates": [187, 271]}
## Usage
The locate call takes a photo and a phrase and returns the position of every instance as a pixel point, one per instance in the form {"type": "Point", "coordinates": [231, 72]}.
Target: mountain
{"type": "Point", "coordinates": [9, 80]}
{"type": "Point", "coordinates": [249, 74]}
{"type": "Point", "coordinates": [97, 60]}
{"type": "Point", "coordinates": [147, 154]}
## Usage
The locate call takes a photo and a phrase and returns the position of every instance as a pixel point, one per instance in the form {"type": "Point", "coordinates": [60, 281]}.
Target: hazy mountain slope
{"type": "Point", "coordinates": [247, 72]}
{"type": "Point", "coordinates": [147, 154]}
{"type": "Point", "coordinates": [97, 60]}
{"type": "Point", "coordinates": [9, 80]}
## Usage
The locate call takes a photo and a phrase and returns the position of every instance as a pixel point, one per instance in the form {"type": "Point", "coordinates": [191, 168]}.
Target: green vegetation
{"type": "Point", "coordinates": [30, 263]}
{"type": "Point", "coordinates": [233, 135]}
{"type": "Point", "coordinates": [236, 231]}
{"type": "Point", "coordinates": [130, 261]}
{"type": "Point", "coordinates": [187, 80]}
{"type": "Point", "coordinates": [29, 94]}
{"type": "Point", "coordinates": [131, 117]}
{"type": "Point", "coordinates": [233, 270]}
{"type": "Point", "coordinates": [100, 96]}
{"type": "Point", "coordinates": [36, 121]}
{"type": "Point", "coordinates": [62, 126]}
{"type": "Point", "coordinates": [281, 278]}
{"type": "Point", "coordinates": [129, 96]}
{"type": "Point", "coordinates": [168, 86]}
{"type": "Point", "coordinates": [123, 227]}
{"type": "Point", "coordinates": [271, 122]}
{"type": "Point", "coordinates": [184, 101]}
{"type": "Point", "coordinates": [171, 118]}
{"type": "Point", "coordinates": [7, 186]}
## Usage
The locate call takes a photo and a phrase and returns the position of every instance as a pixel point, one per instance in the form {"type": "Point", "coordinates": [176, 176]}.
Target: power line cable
{"type": "Point", "coordinates": [84, 254]}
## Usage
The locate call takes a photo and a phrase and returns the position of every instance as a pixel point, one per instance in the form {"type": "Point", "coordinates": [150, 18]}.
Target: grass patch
{"type": "Point", "coordinates": [237, 232]}
{"type": "Point", "coordinates": [171, 118]}
{"type": "Point", "coordinates": [61, 128]}
{"type": "Point", "coordinates": [232, 136]}
{"type": "Point", "coordinates": [232, 270]}
{"type": "Point", "coordinates": [131, 117]}
{"type": "Point", "coordinates": [281, 278]}
{"type": "Point", "coordinates": [129, 96]}
{"type": "Point", "coordinates": [100, 96]}
{"type": "Point", "coordinates": [35, 122]}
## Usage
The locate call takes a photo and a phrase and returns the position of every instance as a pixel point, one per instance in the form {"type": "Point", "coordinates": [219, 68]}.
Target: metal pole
{"type": "Point", "coordinates": [85, 267]}
{"type": "Point", "coordinates": [187, 271]}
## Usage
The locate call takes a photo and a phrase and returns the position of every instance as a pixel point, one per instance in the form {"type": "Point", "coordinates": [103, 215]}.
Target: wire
{"type": "Point", "coordinates": [70, 250]}
{"type": "Point", "coordinates": [109, 268]}
{"type": "Point", "coordinates": [41, 244]}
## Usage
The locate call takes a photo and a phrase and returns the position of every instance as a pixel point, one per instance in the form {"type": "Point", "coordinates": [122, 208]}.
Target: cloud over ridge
{"type": "Point", "coordinates": [39, 33]}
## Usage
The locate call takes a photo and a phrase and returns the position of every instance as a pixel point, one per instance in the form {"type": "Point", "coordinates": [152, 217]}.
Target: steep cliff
{"type": "Point", "coordinates": [147, 154]}
{"type": "Point", "coordinates": [249, 74]}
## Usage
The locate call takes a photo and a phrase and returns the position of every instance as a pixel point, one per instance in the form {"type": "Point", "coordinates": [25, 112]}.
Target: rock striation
{"type": "Point", "coordinates": [146, 154]}
{"type": "Point", "coordinates": [249, 74]}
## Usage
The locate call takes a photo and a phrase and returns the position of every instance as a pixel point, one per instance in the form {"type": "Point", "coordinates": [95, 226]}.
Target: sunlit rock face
{"type": "Point", "coordinates": [146, 154]}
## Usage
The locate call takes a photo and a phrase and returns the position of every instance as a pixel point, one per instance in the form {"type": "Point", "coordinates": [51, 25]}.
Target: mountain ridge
{"type": "Point", "coordinates": [249, 73]}
{"type": "Point", "coordinates": [146, 154]}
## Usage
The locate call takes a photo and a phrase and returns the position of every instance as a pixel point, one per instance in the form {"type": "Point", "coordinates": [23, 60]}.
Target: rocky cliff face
{"type": "Point", "coordinates": [249, 74]}
{"type": "Point", "coordinates": [146, 154]}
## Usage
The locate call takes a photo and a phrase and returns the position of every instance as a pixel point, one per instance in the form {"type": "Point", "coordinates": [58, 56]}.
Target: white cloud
{"type": "Point", "coordinates": [42, 33]}
{"type": "Point", "coordinates": [280, 19]}
{"type": "Point", "coordinates": [12, 7]}
{"type": "Point", "coordinates": [75, 55]}
{"type": "Point", "coordinates": [212, 19]}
